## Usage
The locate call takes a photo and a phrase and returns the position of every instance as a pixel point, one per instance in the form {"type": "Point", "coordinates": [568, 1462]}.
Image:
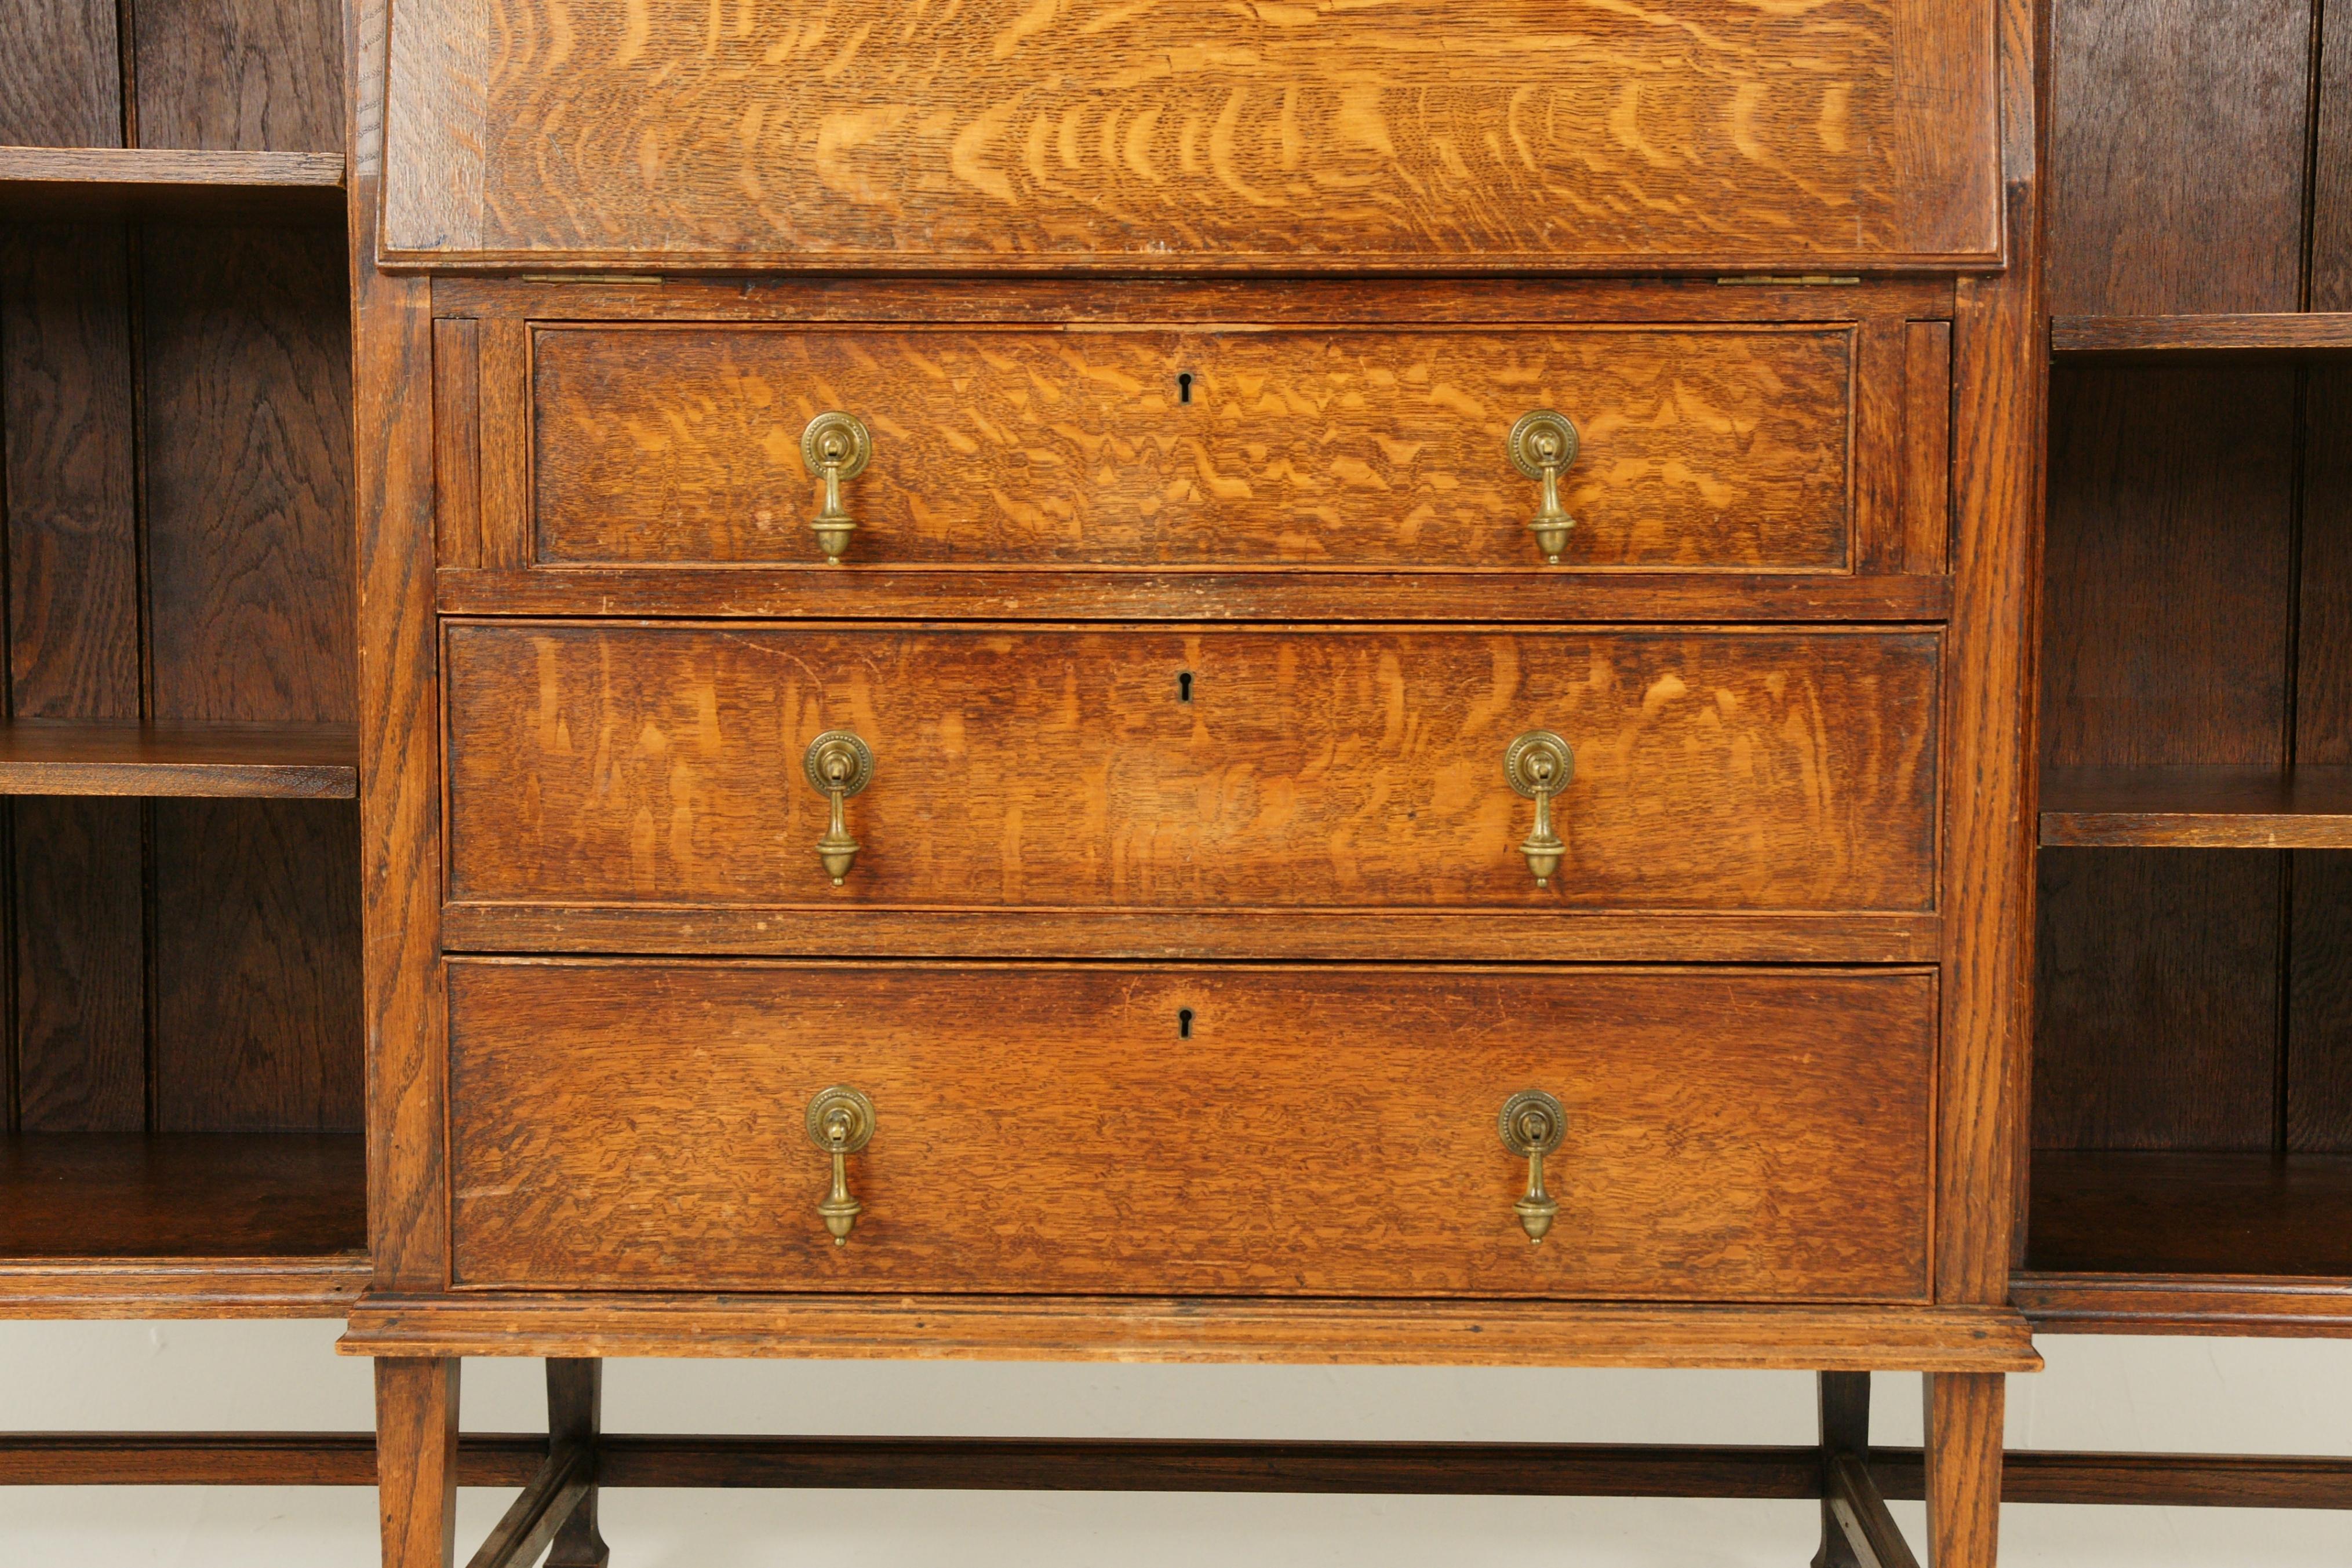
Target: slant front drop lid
{"type": "Point", "coordinates": [1191, 134]}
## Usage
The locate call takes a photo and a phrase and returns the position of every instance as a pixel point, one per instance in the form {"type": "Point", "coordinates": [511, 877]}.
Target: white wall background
{"type": "Point", "coordinates": [2208, 1395]}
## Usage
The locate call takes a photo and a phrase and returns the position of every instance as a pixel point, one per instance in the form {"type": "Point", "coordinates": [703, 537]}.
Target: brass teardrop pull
{"type": "Point", "coordinates": [840, 1122]}
{"type": "Point", "coordinates": [836, 446]}
{"type": "Point", "coordinates": [1538, 765]}
{"type": "Point", "coordinates": [838, 765]}
{"type": "Point", "coordinates": [1533, 1123]}
{"type": "Point", "coordinates": [1542, 444]}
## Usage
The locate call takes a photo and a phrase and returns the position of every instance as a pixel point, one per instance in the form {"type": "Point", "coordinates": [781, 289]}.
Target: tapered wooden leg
{"type": "Point", "coordinates": [1964, 1411]}
{"type": "Point", "coordinates": [416, 1460]}
{"type": "Point", "coordinates": [1845, 1428]}
{"type": "Point", "coordinates": [575, 1413]}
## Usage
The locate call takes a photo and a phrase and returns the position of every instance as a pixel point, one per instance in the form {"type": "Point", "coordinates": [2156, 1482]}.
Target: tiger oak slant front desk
{"type": "Point", "coordinates": [1195, 682]}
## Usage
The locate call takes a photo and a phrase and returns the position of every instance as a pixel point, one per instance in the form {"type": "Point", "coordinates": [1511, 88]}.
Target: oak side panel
{"type": "Point", "coordinates": [258, 1019]}
{"type": "Point", "coordinates": [1205, 769]}
{"type": "Point", "coordinates": [2177, 130]}
{"type": "Point", "coordinates": [1122, 1130]}
{"type": "Point", "coordinates": [78, 1017]}
{"type": "Point", "coordinates": [399, 737]}
{"type": "Point", "coordinates": [60, 75]}
{"type": "Point", "coordinates": [1190, 134]}
{"type": "Point", "coordinates": [1700, 447]}
{"type": "Point", "coordinates": [2168, 566]}
{"type": "Point", "coordinates": [244, 75]}
{"type": "Point", "coordinates": [2158, 1003]}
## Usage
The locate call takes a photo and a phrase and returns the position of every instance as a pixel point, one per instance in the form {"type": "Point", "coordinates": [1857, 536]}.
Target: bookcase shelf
{"type": "Point", "coordinates": [85, 184]}
{"type": "Point", "coordinates": [2198, 807]}
{"type": "Point", "coordinates": [2248, 335]}
{"type": "Point", "coordinates": [258, 761]}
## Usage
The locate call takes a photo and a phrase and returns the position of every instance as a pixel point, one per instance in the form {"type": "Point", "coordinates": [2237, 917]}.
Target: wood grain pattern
{"type": "Point", "coordinates": [79, 1023]}
{"type": "Point", "coordinates": [2199, 808]}
{"type": "Point", "coordinates": [417, 1449]}
{"type": "Point", "coordinates": [457, 442]}
{"type": "Point", "coordinates": [2174, 1213]}
{"type": "Point", "coordinates": [257, 965]}
{"type": "Point", "coordinates": [2232, 335]}
{"type": "Point", "coordinates": [61, 76]}
{"type": "Point", "coordinates": [2318, 1086]}
{"type": "Point", "coordinates": [1515, 594]}
{"type": "Point", "coordinates": [2158, 1008]}
{"type": "Point", "coordinates": [248, 486]}
{"type": "Point", "coordinates": [2151, 102]}
{"type": "Point", "coordinates": [74, 757]}
{"type": "Point", "coordinates": [2164, 484]}
{"type": "Point", "coordinates": [1191, 134]}
{"type": "Point", "coordinates": [1483, 935]}
{"type": "Point", "coordinates": [144, 1288]}
{"type": "Point", "coordinates": [2228, 1305]}
{"type": "Point", "coordinates": [1963, 1458]}
{"type": "Point", "coordinates": [180, 1196]}
{"type": "Point", "coordinates": [1886, 1337]}
{"type": "Point", "coordinates": [85, 184]}
{"type": "Point", "coordinates": [246, 74]}
{"type": "Point", "coordinates": [1725, 448]}
{"type": "Point", "coordinates": [1057, 1131]}
{"type": "Point", "coordinates": [2331, 175]}
{"type": "Point", "coordinates": [1064, 769]}
{"type": "Point", "coordinates": [1926, 476]}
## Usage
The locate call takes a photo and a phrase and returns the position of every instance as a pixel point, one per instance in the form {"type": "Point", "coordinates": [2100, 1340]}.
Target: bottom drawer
{"type": "Point", "coordinates": [1730, 1135]}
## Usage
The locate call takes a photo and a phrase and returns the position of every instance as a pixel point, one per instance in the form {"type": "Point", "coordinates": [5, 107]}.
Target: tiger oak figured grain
{"type": "Point", "coordinates": [1189, 133]}
{"type": "Point", "coordinates": [1041, 769]}
{"type": "Point", "coordinates": [1700, 447]}
{"type": "Point", "coordinates": [1739, 1137]}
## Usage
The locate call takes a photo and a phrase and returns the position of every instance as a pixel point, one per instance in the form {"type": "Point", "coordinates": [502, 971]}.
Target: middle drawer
{"type": "Point", "coordinates": [1208, 768]}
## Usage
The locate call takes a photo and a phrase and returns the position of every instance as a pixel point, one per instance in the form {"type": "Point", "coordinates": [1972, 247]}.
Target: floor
{"type": "Point", "coordinates": [2211, 1394]}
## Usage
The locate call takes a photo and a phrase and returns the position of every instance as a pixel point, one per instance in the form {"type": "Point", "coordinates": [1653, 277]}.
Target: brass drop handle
{"type": "Point", "coordinates": [1541, 445]}
{"type": "Point", "coordinates": [841, 1123]}
{"type": "Point", "coordinates": [1539, 764]}
{"type": "Point", "coordinates": [1533, 1123]}
{"type": "Point", "coordinates": [838, 764]}
{"type": "Point", "coordinates": [836, 446]}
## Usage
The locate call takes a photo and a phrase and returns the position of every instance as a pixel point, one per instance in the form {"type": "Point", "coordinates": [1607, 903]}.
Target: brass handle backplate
{"type": "Point", "coordinates": [838, 765]}
{"type": "Point", "coordinates": [1541, 445]}
{"type": "Point", "coordinates": [1533, 1123]}
{"type": "Point", "coordinates": [1539, 764]}
{"type": "Point", "coordinates": [840, 1122]}
{"type": "Point", "coordinates": [836, 446]}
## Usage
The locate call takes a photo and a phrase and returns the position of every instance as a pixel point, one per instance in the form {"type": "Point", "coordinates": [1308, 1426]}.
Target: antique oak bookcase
{"type": "Point", "coordinates": [1283, 683]}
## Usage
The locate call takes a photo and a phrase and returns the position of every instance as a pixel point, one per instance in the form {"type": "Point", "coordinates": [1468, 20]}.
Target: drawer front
{"type": "Point", "coordinates": [1699, 448]}
{"type": "Point", "coordinates": [1009, 133]}
{"type": "Point", "coordinates": [1735, 1135]}
{"type": "Point", "coordinates": [1205, 769]}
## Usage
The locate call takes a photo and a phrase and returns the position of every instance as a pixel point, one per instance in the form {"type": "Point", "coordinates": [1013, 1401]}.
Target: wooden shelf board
{"type": "Point", "coordinates": [116, 1199]}
{"type": "Point", "coordinates": [275, 761]}
{"type": "Point", "coordinates": [2198, 807]}
{"type": "Point", "coordinates": [2269, 334]}
{"type": "Point", "coordinates": [2133, 1213]}
{"type": "Point", "coordinates": [84, 184]}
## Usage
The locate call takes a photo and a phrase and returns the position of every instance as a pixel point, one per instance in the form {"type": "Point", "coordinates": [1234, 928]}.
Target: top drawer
{"type": "Point", "coordinates": [1416, 135]}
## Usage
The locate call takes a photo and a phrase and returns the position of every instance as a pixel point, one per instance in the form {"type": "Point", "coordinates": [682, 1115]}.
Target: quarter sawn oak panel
{"type": "Point", "coordinates": [1189, 133]}
{"type": "Point", "coordinates": [1700, 447]}
{"type": "Point", "coordinates": [1732, 1136]}
{"type": "Point", "coordinates": [1202, 769]}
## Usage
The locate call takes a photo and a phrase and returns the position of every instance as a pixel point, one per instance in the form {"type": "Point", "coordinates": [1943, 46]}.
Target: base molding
{"type": "Point", "coordinates": [1336, 1333]}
